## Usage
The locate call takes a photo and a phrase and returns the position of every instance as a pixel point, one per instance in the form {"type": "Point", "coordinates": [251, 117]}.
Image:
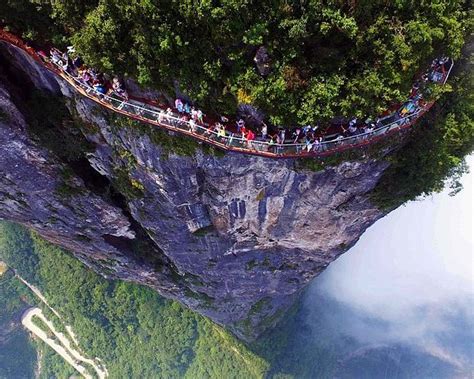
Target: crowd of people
{"type": "Point", "coordinates": [72, 63]}
{"type": "Point", "coordinates": [310, 137]}
{"type": "Point", "coordinates": [307, 138]}
{"type": "Point", "coordinates": [415, 102]}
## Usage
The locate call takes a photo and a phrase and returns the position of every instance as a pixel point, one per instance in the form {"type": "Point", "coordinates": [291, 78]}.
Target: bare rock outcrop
{"type": "Point", "coordinates": [237, 237]}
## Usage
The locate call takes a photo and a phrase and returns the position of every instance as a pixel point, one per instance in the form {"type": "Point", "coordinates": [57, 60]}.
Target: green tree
{"type": "Point", "coordinates": [17, 250]}
{"type": "Point", "coordinates": [206, 50]}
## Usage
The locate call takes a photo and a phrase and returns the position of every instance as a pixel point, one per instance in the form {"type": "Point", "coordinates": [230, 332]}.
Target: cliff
{"type": "Point", "coordinates": [232, 236]}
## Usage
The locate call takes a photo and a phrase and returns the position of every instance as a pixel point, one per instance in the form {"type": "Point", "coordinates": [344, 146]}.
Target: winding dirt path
{"type": "Point", "coordinates": [66, 350]}
{"type": "Point", "coordinates": [71, 356]}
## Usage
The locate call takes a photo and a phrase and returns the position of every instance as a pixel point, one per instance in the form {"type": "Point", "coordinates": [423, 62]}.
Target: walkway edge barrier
{"type": "Point", "coordinates": [149, 114]}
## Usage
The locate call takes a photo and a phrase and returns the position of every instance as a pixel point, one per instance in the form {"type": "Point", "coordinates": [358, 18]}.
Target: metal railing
{"type": "Point", "coordinates": [230, 141]}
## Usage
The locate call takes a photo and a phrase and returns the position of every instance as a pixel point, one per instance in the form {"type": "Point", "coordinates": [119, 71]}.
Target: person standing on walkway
{"type": "Point", "coordinates": [264, 131]}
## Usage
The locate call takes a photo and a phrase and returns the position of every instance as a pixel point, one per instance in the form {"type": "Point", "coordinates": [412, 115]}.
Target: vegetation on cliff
{"type": "Point", "coordinates": [322, 59]}
{"type": "Point", "coordinates": [136, 332]}
{"type": "Point", "coordinates": [434, 155]}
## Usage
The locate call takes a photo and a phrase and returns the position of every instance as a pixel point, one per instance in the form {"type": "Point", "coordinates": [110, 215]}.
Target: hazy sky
{"type": "Point", "coordinates": [412, 272]}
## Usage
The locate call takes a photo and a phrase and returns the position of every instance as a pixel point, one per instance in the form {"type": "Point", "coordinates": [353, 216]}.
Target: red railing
{"type": "Point", "coordinates": [145, 112]}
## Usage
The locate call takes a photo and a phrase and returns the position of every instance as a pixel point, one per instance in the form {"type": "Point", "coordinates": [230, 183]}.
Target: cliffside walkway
{"type": "Point", "coordinates": [144, 111]}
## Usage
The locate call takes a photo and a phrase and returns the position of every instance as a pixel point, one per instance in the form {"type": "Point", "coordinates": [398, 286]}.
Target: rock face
{"type": "Point", "coordinates": [235, 238]}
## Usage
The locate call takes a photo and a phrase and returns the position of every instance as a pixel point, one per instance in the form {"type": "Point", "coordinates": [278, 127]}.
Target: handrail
{"type": "Point", "coordinates": [148, 114]}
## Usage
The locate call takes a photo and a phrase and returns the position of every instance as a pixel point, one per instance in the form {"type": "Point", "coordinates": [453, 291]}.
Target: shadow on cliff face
{"type": "Point", "coordinates": [49, 121]}
{"type": "Point", "coordinates": [399, 304]}
{"type": "Point", "coordinates": [52, 123]}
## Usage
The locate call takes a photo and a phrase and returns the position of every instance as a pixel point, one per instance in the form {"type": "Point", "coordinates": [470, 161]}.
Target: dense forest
{"type": "Point", "coordinates": [137, 333]}
{"type": "Point", "coordinates": [320, 59]}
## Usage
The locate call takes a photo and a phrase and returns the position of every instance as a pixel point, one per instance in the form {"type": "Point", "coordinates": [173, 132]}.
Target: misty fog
{"type": "Point", "coordinates": [408, 282]}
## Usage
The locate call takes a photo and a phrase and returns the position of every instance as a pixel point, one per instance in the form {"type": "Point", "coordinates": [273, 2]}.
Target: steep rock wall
{"type": "Point", "coordinates": [238, 237]}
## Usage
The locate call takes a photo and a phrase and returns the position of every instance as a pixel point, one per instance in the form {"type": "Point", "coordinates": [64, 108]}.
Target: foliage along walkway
{"type": "Point", "coordinates": [144, 111]}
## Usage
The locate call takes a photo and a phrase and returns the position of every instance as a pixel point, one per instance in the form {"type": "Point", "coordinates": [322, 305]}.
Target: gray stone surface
{"type": "Point", "coordinates": [239, 237]}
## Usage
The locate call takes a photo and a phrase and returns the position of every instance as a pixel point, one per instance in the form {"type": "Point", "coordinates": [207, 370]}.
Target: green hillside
{"type": "Point", "coordinates": [137, 333]}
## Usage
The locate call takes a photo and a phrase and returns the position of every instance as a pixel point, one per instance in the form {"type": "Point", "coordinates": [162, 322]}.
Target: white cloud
{"type": "Point", "coordinates": [410, 277]}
